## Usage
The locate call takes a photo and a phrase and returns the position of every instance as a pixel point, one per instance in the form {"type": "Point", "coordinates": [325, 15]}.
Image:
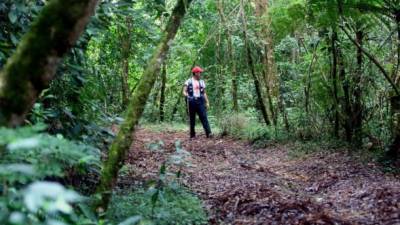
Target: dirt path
{"type": "Point", "coordinates": [241, 185]}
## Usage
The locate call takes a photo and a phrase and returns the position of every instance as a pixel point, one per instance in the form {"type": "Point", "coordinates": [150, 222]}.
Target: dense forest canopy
{"type": "Point", "coordinates": [79, 80]}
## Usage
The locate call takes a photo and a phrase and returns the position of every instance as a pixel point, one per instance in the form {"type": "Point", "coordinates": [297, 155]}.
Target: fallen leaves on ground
{"type": "Point", "coordinates": [241, 185]}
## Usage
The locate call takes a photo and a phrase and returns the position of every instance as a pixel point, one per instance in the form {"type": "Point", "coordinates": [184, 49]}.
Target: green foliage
{"type": "Point", "coordinates": [163, 202]}
{"type": "Point", "coordinates": [287, 18]}
{"type": "Point", "coordinates": [15, 17]}
{"type": "Point", "coordinates": [85, 100]}
{"type": "Point", "coordinates": [29, 157]}
{"type": "Point", "coordinates": [41, 203]}
{"type": "Point", "coordinates": [175, 206]}
{"type": "Point", "coordinates": [234, 124]}
{"type": "Point", "coordinates": [29, 154]}
{"type": "Point", "coordinates": [242, 126]}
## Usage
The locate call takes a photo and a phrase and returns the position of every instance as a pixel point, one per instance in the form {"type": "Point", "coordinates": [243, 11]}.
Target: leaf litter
{"type": "Point", "coordinates": [243, 185]}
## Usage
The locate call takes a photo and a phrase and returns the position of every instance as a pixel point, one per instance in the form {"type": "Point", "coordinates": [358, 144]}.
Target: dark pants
{"type": "Point", "coordinates": [197, 106]}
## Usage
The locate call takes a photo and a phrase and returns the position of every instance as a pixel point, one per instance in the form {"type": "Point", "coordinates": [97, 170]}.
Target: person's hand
{"type": "Point", "coordinates": [207, 105]}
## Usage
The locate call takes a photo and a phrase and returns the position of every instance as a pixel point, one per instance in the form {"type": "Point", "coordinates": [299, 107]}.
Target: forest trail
{"type": "Point", "coordinates": [243, 185]}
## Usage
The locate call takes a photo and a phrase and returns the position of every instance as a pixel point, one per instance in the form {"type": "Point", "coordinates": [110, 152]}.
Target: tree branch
{"type": "Point", "coordinates": [373, 59]}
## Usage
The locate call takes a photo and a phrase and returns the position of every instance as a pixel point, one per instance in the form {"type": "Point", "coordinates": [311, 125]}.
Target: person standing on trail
{"type": "Point", "coordinates": [197, 101]}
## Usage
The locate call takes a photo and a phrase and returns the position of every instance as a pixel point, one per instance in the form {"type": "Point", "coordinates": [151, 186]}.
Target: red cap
{"type": "Point", "coordinates": [197, 69]}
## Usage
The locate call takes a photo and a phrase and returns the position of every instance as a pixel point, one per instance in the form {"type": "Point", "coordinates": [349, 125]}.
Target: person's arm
{"type": "Point", "coordinates": [206, 98]}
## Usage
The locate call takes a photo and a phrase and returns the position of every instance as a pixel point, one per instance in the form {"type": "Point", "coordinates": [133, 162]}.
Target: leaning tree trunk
{"type": "Point", "coordinates": [125, 137]}
{"type": "Point", "coordinates": [33, 65]}
{"type": "Point", "coordinates": [252, 67]}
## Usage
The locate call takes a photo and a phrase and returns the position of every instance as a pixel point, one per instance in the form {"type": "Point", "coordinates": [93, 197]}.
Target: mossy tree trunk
{"type": "Point", "coordinates": [125, 137]}
{"type": "Point", "coordinates": [33, 65]}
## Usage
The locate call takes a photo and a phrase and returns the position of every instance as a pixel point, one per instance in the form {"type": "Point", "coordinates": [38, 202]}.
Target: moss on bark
{"type": "Point", "coordinates": [33, 65]}
{"type": "Point", "coordinates": [125, 137]}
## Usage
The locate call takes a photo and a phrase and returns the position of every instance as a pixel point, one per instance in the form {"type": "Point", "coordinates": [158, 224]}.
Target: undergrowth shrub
{"type": "Point", "coordinates": [175, 205]}
{"type": "Point", "coordinates": [304, 130]}
{"type": "Point", "coordinates": [29, 154]}
{"type": "Point", "coordinates": [242, 127]}
{"type": "Point", "coordinates": [163, 200]}
{"type": "Point", "coordinates": [42, 203]}
{"type": "Point", "coordinates": [233, 125]}
{"type": "Point", "coordinates": [29, 159]}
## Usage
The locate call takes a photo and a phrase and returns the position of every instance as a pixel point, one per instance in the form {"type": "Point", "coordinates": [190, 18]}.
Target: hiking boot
{"type": "Point", "coordinates": [210, 135]}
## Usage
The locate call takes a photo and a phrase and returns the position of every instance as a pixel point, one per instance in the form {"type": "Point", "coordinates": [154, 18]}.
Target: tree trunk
{"type": "Point", "coordinates": [219, 82]}
{"type": "Point", "coordinates": [230, 56]}
{"type": "Point", "coordinates": [282, 107]}
{"type": "Point", "coordinates": [357, 111]}
{"type": "Point", "coordinates": [271, 73]}
{"type": "Point", "coordinates": [268, 61]}
{"type": "Point", "coordinates": [397, 70]}
{"type": "Point", "coordinates": [34, 63]}
{"type": "Point", "coordinates": [374, 60]}
{"type": "Point", "coordinates": [251, 65]}
{"type": "Point", "coordinates": [154, 101]}
{"type": "Point", "coordinates": [125, 137]}
{"type": "Point", "coordinates": [162, 95]}
{"type": "Point", "coordinates": [394, 149]}
{"type": "Point", "coordinates": [334, 64]}
{"type": "Point", "coordinates": [176, 106]}
{"type": "Point", "coordinates": [347, 105]}
{"type": "Point", "coordinates": [307, 89]}
{"type": "Point", "coordinates": [125, 53]}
